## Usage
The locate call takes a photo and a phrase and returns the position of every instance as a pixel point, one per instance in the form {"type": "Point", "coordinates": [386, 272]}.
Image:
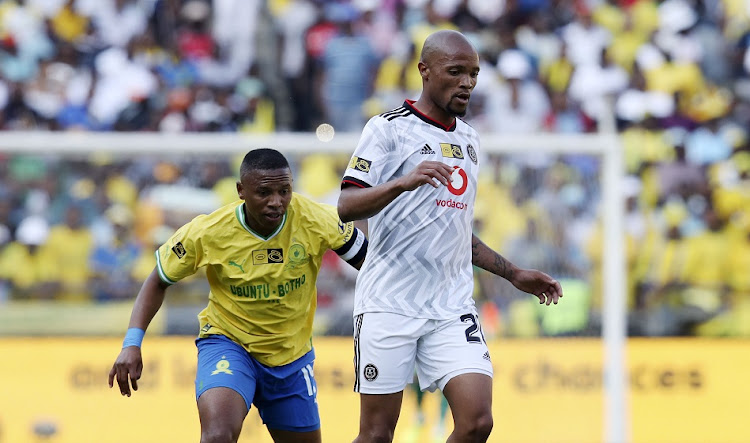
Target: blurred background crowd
{"type": "Point", "coordinates": [671, 77]}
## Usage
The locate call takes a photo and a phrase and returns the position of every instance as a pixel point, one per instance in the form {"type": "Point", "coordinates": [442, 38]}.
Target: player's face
{"type": "Point", "coordinates": [452, 77]}
{"type": "Point", "coordinates": [267, 194]}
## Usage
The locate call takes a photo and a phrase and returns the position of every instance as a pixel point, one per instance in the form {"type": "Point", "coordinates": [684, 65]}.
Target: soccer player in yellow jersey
{"type": "Point", "coordinates": [262, 255]}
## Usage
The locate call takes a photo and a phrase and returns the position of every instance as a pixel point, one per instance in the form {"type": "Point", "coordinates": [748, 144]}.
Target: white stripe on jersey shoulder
{"type": "Point", "coordinates": [401, 111]}
{"type": "Point", "coordinates": [160, 270]}
{"type": "Point", "coordinates": [240, 213]}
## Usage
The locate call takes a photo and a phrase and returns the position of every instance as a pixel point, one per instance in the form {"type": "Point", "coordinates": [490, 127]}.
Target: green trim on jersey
{"type": "Point", "coordinates": [240, 213]}
{"type": "Point", "coordinates": [160, 270]}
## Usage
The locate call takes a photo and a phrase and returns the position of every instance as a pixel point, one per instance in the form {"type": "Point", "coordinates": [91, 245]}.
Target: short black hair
{"type": "Point", "coordinates": [263, 159]}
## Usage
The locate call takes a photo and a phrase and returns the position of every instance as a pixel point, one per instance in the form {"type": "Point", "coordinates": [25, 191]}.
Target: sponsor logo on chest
{"type": "Point", "coordinates": [450, 150]}
{"type": "Point", "coordinates": [268, 256]}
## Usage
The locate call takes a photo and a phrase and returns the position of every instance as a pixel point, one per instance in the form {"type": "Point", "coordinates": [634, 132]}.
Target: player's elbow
{"type": "Point", "coordinates": [346, 207]}
{"type": "Point", "coordinates": [345, 212]}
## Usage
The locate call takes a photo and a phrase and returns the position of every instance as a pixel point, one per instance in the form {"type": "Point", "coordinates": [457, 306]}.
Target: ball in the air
{"type": "Point", "coordinates": [324, 132]}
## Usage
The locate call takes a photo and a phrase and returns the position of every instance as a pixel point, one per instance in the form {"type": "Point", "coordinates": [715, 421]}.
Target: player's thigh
{"type": "Point", "coordinates": [224, 364]}
{"type": "Point", "coordinates": [221, 411]}
{"type": "Point", "coordinates": [454, 347]}
{"type": "Point", "coordinates": [287, 398]}
{"type": "Point", "coordinates": [379, 412]}
{"type": "Point", "coordinates": [385, 348]}
{"type": "Point", "coordinates": [470, 397]}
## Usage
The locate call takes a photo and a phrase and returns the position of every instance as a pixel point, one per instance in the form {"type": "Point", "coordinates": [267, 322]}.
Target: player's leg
{"type": "Point", "coordinates": [224, 388]}
{"type": "Point", "coordinates": [378, 416]}
{"type": "Point", "coordinates": [287, 402]}
{"type": "Point", "coordinates": [221, 412]}
{"type": "Point", "coordinates": [454, 358]}
{"type": "Point", "coordinates": [384, 353]}
{"type": "Point", "coordinates": [470, 399]}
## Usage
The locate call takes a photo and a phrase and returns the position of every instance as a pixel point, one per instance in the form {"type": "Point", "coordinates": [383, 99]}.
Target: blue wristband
{"type": "Point", "coordinates": [134, 337]}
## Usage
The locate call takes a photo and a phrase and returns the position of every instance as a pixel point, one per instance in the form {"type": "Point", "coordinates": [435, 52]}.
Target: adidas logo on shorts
{"type": "Point", "coordinates": [426, 150]}
{"type": "Point", "coordinates": [486, 356]}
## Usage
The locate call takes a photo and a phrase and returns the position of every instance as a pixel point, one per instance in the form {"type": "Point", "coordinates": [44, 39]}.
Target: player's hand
{"type": "Point", "coordinates": [539, 284]}
{"type": "Point", "coordinates": [428, 172]}
{"type": "Point", "coordinates": [127, 369]}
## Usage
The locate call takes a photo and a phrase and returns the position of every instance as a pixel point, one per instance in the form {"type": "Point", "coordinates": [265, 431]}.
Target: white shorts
{"type": "Point", "coordinates": [387, 347]}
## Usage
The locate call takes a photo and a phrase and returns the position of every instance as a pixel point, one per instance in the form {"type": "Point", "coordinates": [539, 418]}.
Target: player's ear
{"type": "Point", "coordinates": [240, 192]}
{"type": "Point", "coordinates": [424, 71]}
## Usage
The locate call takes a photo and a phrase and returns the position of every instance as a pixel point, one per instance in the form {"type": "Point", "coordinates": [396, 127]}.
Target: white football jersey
{"type": "Point", "coordinates": [419, 258]}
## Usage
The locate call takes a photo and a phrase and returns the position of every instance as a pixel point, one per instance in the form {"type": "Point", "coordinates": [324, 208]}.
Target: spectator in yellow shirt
{"type": "Point", "coordinates": [67, 24]}
{"type": "Point", "coordinates": [22, 267]}
{"type": "Point", "coordinates": [69, 247]}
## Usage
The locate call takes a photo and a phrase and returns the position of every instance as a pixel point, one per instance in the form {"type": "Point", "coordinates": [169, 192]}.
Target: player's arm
{"type": "Point", "coordinates": [129, 364]}
{"type": "Point", "coordinates": [357, 202]}
{"type": "Point", "coordinates": [534, 282]}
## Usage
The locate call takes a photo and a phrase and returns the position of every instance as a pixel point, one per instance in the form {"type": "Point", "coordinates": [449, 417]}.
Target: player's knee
{"type": "Point", "coordinates": [476, 430]}
{"type": "Point", "coordinates": [218, 435]}
{"type": "Point", "coordinates": [483, 427]}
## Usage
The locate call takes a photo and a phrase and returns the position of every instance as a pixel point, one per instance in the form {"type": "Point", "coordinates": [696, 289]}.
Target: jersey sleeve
{"type": "Point", "coordinates": [181, 256]}
{"type": "Point", "coordinates": [372, 162]}
{"type": "Point", "coordinates": [344, 239]}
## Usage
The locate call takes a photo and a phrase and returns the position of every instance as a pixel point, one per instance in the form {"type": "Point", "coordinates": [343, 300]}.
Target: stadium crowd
{"type": "Point", "coordinates": [675, 73]}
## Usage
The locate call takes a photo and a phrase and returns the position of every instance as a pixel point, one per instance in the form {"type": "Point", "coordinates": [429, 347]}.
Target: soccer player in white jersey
{"type": "Point", "coordinates": [262, 254]}
{"type": "Point", "coordinates": [413, 298]}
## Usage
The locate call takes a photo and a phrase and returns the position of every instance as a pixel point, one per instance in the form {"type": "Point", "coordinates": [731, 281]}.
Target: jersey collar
{"type": "Point", "coordinates": [240, 213]}
{"type": "Point", "coordinates": [409, 104]}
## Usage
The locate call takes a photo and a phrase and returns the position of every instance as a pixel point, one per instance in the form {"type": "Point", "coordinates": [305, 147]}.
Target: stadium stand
{"type": "Point", "coordinates": [676, 71]}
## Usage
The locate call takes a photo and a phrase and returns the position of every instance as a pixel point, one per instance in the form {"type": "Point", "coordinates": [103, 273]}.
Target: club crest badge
{"type": "Point", "coordinates": [472, 154]}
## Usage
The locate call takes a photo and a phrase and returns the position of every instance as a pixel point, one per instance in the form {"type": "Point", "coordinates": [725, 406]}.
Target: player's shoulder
{"type": "Point", "coordinates": [303, 201]}
{"type": "Point", "coordinates": [312, 217]}
{"type": "Point", "coordinates": [464, 126]}
{"type": "Point", "coordinates": [226, 211]}
{"type": "Point", "coordinates": [300, 202]}
{"type": "Point", "coordinates": [387, 125]}
{"type": "Point", "coordinates": [306, 207]}
{"type": "Point", "coordinates": [394, 114]}
{"type": "Point", "coordinates": [218, 216]}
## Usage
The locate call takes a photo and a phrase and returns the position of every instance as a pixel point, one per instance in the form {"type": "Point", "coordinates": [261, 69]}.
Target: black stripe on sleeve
{"type": "Point", "coordinates": [392, 112]}
{"type": "Point", "coordinates": [348, 245]}
{"type": "Point", "coordinates": [404, 113]}
{"type": "Point", "coordinates": [348, 253]}
{"type": "Point", "coordinates": [348, 180]}
{"type": "Point", "coordinates": [360, 255]}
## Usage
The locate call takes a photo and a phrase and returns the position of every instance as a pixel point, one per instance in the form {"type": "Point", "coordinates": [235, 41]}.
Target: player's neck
{"type": "Point", "coordinates": [253, 224]}
{"type": "Point", "coordinates": [429, 109]}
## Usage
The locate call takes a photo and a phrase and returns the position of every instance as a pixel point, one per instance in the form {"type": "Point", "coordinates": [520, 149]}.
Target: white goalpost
{"type": "Point", "coordinates": [605, 146]}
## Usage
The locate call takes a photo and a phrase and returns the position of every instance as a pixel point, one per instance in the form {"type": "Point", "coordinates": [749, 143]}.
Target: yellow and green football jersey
{"type": "Point", "coordinates": [263, 293]}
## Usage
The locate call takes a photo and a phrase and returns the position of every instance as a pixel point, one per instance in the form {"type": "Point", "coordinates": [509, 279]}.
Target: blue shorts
{"type": "Point", "coordinates": [286, 396]}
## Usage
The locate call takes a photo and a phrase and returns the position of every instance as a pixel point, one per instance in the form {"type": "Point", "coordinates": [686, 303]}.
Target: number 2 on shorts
{"type": "Point", "coordinates": [471, 331]}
